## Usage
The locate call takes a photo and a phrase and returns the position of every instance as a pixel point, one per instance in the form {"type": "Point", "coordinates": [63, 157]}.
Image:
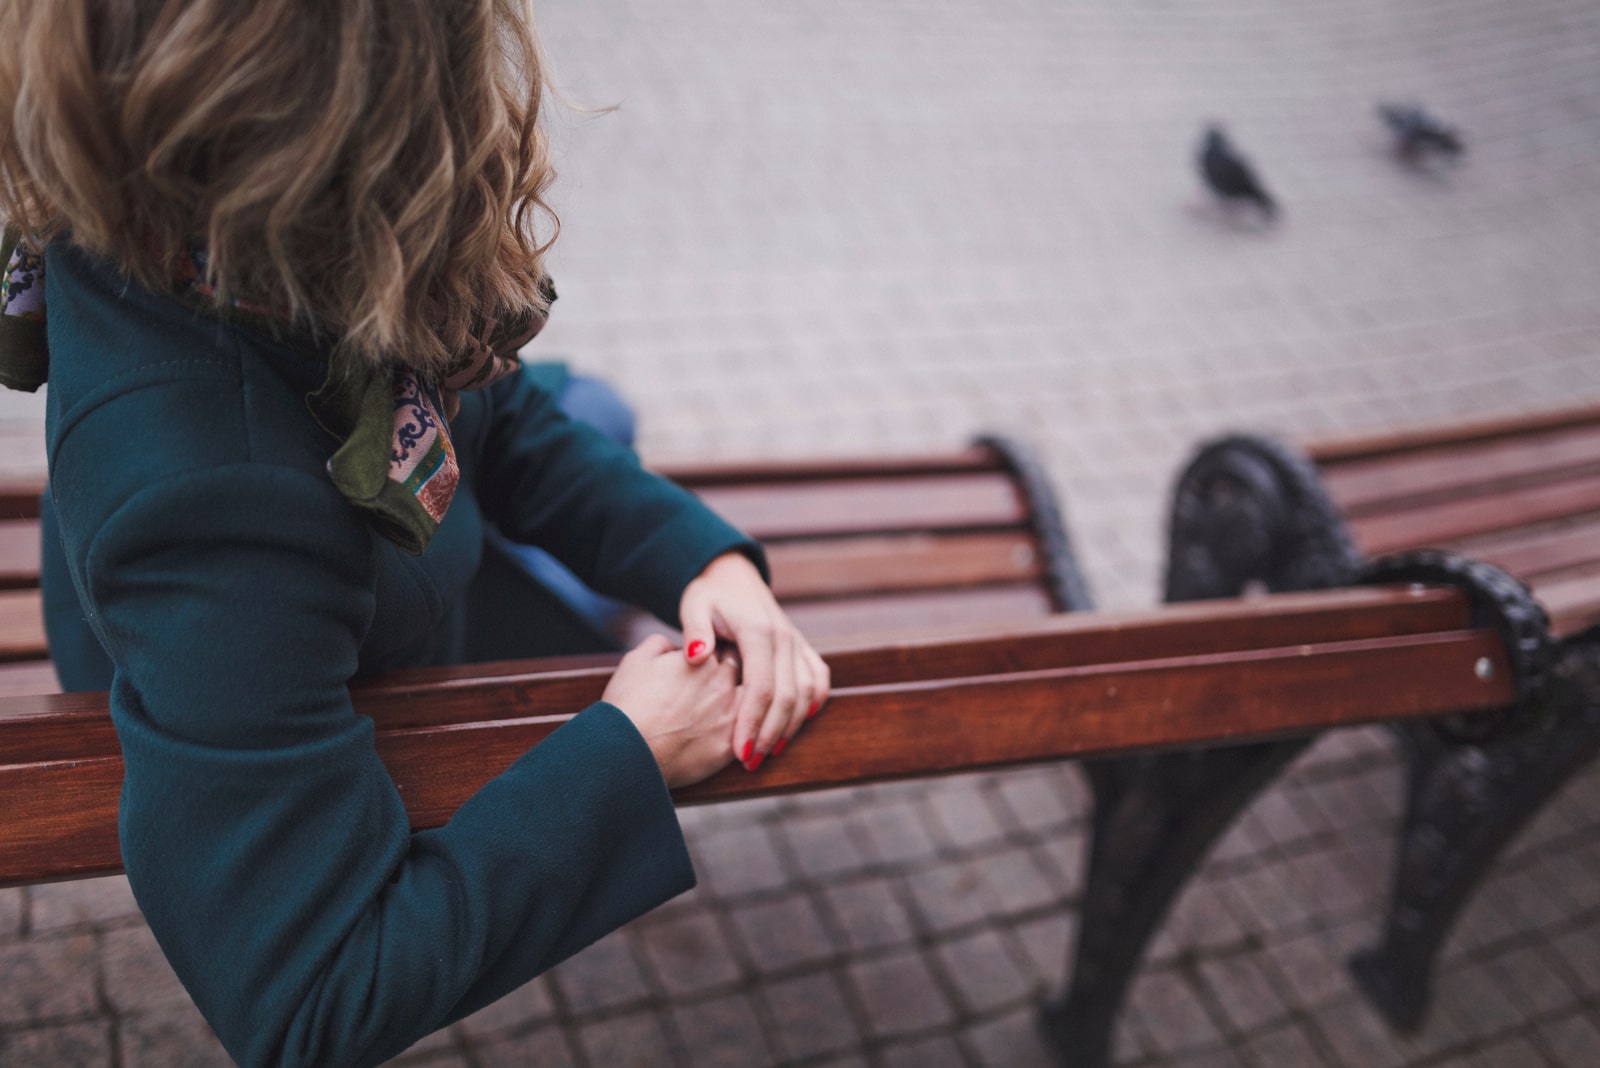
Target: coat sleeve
{"type": "Point", "coordinates": [263, 838]}
{"type": "Point", "coordinates": [545, 479]}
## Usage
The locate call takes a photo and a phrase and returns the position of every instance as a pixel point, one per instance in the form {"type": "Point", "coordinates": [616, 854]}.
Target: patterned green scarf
{"type": "Point", "coordinates": [393, 460]}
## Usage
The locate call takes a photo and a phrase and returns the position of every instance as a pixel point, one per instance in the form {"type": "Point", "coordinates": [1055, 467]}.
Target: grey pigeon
{"type": "Point", "coordinates": [1418, 134]}
{"type": "Point", "coordinates": [1229, 175]}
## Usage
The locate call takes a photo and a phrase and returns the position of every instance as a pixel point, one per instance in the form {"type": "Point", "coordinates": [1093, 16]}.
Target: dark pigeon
{"type": "Point", "coordinates": [1229, 175]}
{"type": "Point", "coordinates": [1418, 134]}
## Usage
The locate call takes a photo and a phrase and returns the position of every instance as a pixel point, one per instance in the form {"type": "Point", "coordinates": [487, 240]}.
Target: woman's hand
{"type": "Point", "coordinates": [683, 710]}
{"type": "Point", "coordinates": [784, 682]}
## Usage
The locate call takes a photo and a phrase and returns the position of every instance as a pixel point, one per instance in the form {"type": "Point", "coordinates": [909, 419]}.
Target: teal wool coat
{"type": "Point", "coordinates": [237, 594]}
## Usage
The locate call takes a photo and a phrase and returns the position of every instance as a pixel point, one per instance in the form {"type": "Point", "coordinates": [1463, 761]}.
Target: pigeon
{"type": "Point", "coordinates": [1418, 134]}
{"type": "Point", "coordinates": [1229, 175]}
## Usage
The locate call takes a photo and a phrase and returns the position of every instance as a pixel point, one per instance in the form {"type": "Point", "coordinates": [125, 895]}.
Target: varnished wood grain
{"type": "Point", "coordinates": [1410, 479]}
{"type": "Point", "coordinates": [1339, 450]}
{"type": "Point", "coordinates": [851, 567]}
{"type": "Point", "coordinates": [22, 626]}
{"type": "Point", "coordinates": [62, 813]}
{"type": "Point", "coordinates": [984, 500]}
{"type": "Point", "coordinates": [19, 554]}
{"type": "Point", "coordinates": [1437, 525]}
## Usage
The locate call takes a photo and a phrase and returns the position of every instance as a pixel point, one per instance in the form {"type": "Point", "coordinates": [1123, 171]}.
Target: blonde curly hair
{"type": "Point", "coordinates": [376, 168]}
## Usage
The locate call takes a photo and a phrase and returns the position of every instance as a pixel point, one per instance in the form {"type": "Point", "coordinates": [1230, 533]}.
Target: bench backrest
{"type": "Point", "coordinates": [888, 546]}
{"type": "Point", "coordinates": [1523, 494]}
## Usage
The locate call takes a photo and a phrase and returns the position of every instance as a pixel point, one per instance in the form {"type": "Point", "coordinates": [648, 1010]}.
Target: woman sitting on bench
{"type": "Point", "coordinates": [290, 261]}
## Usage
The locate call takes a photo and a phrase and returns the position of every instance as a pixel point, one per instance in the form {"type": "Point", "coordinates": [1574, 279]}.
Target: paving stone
{"type": "Point", "coordinates": [939, 1052]}
{"type": "Point", "coordinates": [1034, 799]}
{"type": "Point", "coordinates": [1064, 859]}
{"type": "Point", "coordinates": [1283, 1045]}
{"type": "Point", "coordinates": [1243, 842]}
{"type": "Point", "coordinates": [440, 1045]}
{"type": "Point", "coordinates": [1045, 944]}
{"type": "Point", "coordinates": [953, 895]}
{"type": "Point", "coordinates": [688, 953]}
{"type": "Point", "coordinates": [737, 861]}
{"type": "Point", "coordinates": [1516, 1051]}
{"type": "Point", "coordinates": [899, 995]}
{"type": "Point", "coordinates": [1572, 1041]}
{"type": "Point", "coordinates": [1279, 820]}
{"type": "Point", "coordinates": [525, 1006]}
{"type": "Point", "coordinates": [544, 1046]}
{"type": "Point", "coordinates": [1201, 919]}
{"type": "Point", "coordinates": [1171, 1013]}
{"type": "Point", "coordinates": [783, 933]}
{"type": "Point", "coordinates": [80, 1045]}
{"type": "Point", "coordinates": [1250, 996]}
{"type": "Point", "coordinates": [1012, 1040]}
{"type": "Point", "coordinates": [1267, 900]}
{"type": "Point", "coordinates": [897, 832]}
{"type": "Point", "coordinates": [964, 813]}
{"type": "Point", "coordinates": [138, 977]}
{"type": "Point", "coordinates": [1314, 966]}
{"type": "Point", "coordinates": [813, 1016]}
{"type": "Point", "coordinates": [170, 1038]}
{"type": "Point", "coordinates": [1019, 882]}
{"type": "Point", "coordinates": [1532, 979]}
{"type": "Point", "coordinates": [87, 901]}
{"type": "Point", "coordinates": [1580, 950]}
{"type": "Point", "coordinates": [1326, 877]}
{"type": "Point", "coordinates": [869, 913]}
{"type": "Point", "coordinates": [1523, 903]}
{"type": "Point", "coordinates": [606, 975]}
{"type": "Point", "coordinates": [985, 971]}
{"type": "Point", "coordinates": [637, 1040]}
{"type": "Point", "coordinates": [47, 978]}
{"type": "Point", "coordinates": [722, 1032]}
{"type": "Point", "coordinates": [823, 847]}
{"type": "Point", "coordinates": [1356, 1035]}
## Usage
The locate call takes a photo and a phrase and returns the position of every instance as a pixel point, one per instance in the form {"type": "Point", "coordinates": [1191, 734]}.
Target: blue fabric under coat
{"type": "Point", "coordinates": [237, 594]}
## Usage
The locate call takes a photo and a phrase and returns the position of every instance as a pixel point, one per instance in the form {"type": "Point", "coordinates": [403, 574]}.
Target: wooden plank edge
{"type": "Point", "coordinates": [78, 726]}
{"type": "Point", "coordinates": [61, 816]}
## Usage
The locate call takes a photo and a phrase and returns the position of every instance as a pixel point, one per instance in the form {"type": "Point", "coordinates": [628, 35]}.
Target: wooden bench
{"type": "Point", "coordinates": [1254, 513]}
{"type": "Point", "coordinates": [866, 555]}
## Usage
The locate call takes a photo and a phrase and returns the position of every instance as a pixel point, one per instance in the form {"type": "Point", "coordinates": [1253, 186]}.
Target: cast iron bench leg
{"type": "Point", "coordinates": [1246, 511]}
{"type": "Point", "coordinates": [1466, 801]}
{"type": "Point", "coordinates": [1154, 819]}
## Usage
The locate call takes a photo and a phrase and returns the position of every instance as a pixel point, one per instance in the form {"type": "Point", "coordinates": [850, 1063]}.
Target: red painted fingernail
{"type": "Point", "coordinates": [755, 765]}
{"type": "Point", "coordinates": [815, 707]}
{"type": "Point", "coordinates": [777, 750]}
{"type": "Point", "coordinates": [695, 649]}
{"type": "Point", "coordinates": [744, 757]}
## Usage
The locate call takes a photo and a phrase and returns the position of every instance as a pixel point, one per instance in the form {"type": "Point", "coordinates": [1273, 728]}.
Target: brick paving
{"type": "Point", "coordinates": [825, 226]}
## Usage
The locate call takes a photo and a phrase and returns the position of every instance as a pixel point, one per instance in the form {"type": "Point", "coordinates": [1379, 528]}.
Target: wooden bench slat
{"type": "Point", "coordinates": [1450, 435]}
{"type": "Point", "coordinates": [61, 815]}
{"type": "Point", "coordinates": [1409, 480]}
{"type": "Point", "coordinates": [22, 626]}
{"type": "Point", "coordinates": [698, 476]}
{"type": "Point", "coordinates": [984, 500]}
{"type": "Point", "coordinates": [889, 615]}
{"type": "Point", "coordinates": [19, 554]}
{"type": "Point", "coordinates": [1443, 524]}
{"type": "Point", "coordinates": [1571, 600]}
{"type": "Point", "coordinates": [855, 566]}
{"type": "Point", "coordinates": [28, 677]}
{"type": "Point", "coordinates": [1531, 553]}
